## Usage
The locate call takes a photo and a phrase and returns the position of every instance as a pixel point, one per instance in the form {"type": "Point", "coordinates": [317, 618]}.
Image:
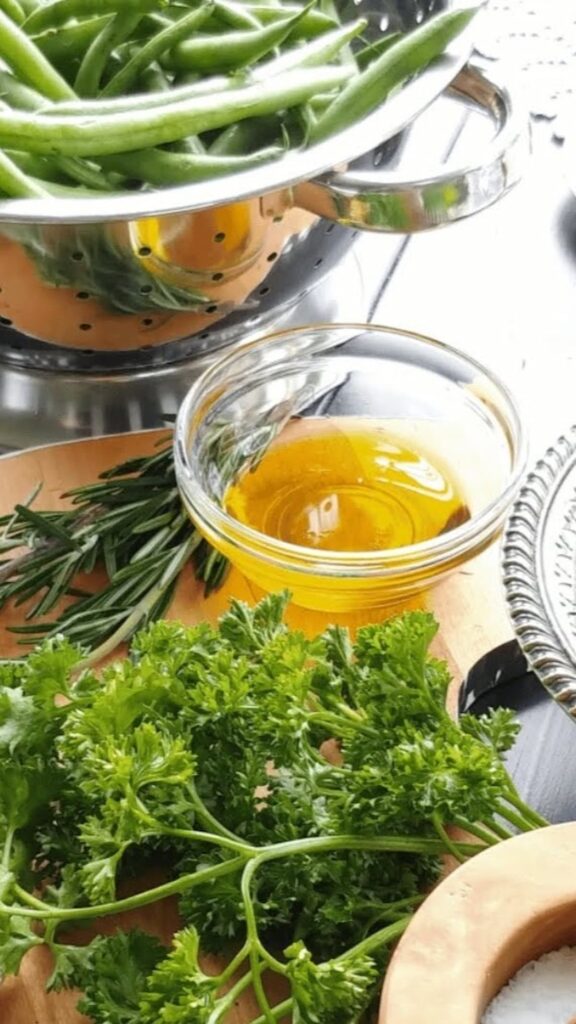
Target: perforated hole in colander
{"type": "Point", "coordinates": [293, 272]}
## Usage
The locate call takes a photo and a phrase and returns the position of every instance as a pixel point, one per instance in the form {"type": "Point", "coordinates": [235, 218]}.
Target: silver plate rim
{"type": "Point", "coordinates": [545, 648]}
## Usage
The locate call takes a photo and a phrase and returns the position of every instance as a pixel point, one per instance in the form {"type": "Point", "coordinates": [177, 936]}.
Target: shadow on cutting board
{"type": "Point", "coordinates": [543, 761]}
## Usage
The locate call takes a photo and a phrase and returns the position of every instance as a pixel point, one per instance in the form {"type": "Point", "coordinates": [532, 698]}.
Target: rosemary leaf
{"type": "Point", "coordinates": [131, 523]}
{"type": "Point", "coordinates": [46, 526]}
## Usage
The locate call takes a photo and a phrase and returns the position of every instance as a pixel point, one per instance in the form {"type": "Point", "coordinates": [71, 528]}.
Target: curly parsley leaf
{"type": "Point", "coordinates": [324, 772]}
{"type": "Point", "coordinates": [329, 992]}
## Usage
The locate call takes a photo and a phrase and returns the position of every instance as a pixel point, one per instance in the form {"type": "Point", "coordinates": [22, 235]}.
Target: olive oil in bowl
{"type": "Point", "coordinates": [347, 484]}
{"type": "Point", "coordinates": [353, 465]}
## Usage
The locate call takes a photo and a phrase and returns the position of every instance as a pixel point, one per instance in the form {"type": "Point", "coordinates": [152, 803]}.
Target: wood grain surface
{"type": "Point", "coordinates": [469, 607]}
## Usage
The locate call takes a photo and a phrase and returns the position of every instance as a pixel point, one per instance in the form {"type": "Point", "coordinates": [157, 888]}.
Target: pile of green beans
{"type": "Point", "coordinates": [101, 95]}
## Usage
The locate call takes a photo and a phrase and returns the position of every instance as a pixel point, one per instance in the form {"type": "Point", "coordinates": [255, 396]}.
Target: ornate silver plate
{"type": "Point", "coordinates": [539, 570]}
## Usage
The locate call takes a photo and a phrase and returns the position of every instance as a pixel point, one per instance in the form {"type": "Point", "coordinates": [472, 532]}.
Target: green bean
{"type": "Point", "coordinates": [345, 56]}
{"type": "Point", "coordinates": [94, 62]}
{"type": "Point", "coordinates": [319, 103]}
{"type": "Point", "coordinates": [29, 5]}
{"type": "Point", "coordinates": [15, 183]}
{"type": "Point", "coordinates": [36, 166]}
{"type": "Point", "coordinates": [308, 55]}
{"type": "Point", "coordinates": [85, 173]}
{"type": "Point", "coordinates": [317, 51]}
{"type": "Point", "coordinates": [122, 132]}
{"type": "Point", "coordinates": [369, 53]}
{"type": "Point", "coordinates": [19, 95]}
{"type": "Point", "coordinates": [160, 167]}
{"type": "Point", "coordinates": [153, 79]}
{"type": "Point", "coordinates": [64, 44]}
{"type": "Point", "coordinates": [13, 9]}
{"type": "Point", "coordinates": [58, 12]}
{"type": "Point", "coordinates": [368, 89]}
{"type": "Point", "coordinates": [239, 138]}
{"type": "Point", "coordinates": [155, 47]}
{"type": "Point", "coordinates": [235, 14]}
{"type": "Point", "coordinates": [192, 145]}
{"type": "Point", "coordinates": [232, 50]}
{"type": "Point", "coordinates": [140, 102]}
{"type": "Point", "coordinates": [26, 59]}
{"type": "Point", "coordinates": [51, 173]}
{"type": "Point", "coordinates": [313, 22]}
{"type": "Point", "coordinates": [24, 98]}
{"type": "Point", "coordinates": [54, 188]}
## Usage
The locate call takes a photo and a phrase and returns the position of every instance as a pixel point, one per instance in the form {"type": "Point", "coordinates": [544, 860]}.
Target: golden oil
{"type": "Point", "coordinates": [349, 484]}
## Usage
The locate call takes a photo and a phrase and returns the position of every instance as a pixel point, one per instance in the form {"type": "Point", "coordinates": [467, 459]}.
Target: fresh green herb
{"type": "Point", "coordinates": [133, 525]}
{"type": "Point", "coordinates": [207, 751]}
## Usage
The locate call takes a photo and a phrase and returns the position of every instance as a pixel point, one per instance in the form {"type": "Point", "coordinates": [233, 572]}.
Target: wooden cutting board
{"type": "Point", "coordinates": [469, 606]}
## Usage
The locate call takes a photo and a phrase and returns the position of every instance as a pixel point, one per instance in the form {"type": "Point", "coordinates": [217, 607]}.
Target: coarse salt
{"type": "Point", "coordinates": [542, 992]}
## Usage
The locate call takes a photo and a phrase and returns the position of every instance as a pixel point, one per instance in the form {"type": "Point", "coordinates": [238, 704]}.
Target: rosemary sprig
{"type": "Point", "coordinates": [131, 523]}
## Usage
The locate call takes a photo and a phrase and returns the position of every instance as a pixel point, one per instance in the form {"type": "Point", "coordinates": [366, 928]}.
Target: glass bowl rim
{"type": "Point", "coordinates": [385, 561]}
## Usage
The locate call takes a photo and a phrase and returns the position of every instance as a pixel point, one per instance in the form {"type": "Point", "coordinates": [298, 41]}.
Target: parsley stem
{"type": "Point", "coordinates": [518, 820]}
{"type": "Point", "coordinates": [528, 813]}
{"type": "Point", "coordinates": [141, 899]}
{"type": "Point", "coordinates": [29, 898]}
{"type": "Point", "coordinates": [280, 1010]}
{"type": "Point", "coordinates": [338, 724]}
{"type": "Point", "coordinates": [499, 829]}
{"type": "Point", "coordinates": [253, 937]}
{"type": "Point", "coordinates": [487, 835]}
{"type": "Point", "coordinates": [353, 715]}
{"type": "Point", "coordinates": [207, 818]}
{"type": "Point", "coordinates": [387, 844]}
{"type": "Point", "coordinates": [234, 964]}
{"type": "Point", "coordinates": [276, 965]}
{"type": "Point", "coordinates": [196, 835]}
{"type": "Point", "coordinates": [7, 852]}
{"type": "Point", "coordinates": [450, 845]}
{"type": "Point", "coordinates": [373, 942]}
{"type": "Point", "coordinates": [227, 1001]}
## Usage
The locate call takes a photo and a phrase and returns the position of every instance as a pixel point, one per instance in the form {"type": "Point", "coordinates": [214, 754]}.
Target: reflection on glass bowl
{"type": "Point", "coordinates": [354, 465]}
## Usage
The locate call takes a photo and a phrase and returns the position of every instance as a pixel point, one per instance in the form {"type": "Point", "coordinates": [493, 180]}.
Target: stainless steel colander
{"type": "Point", "coordinates": [187, 270]}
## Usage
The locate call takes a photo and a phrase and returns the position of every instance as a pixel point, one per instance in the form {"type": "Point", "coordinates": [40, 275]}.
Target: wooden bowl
{"type": "Point", "coordinates": [503, 908]}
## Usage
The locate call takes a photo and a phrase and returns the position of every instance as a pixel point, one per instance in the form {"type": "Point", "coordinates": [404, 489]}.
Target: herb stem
{"type": "Point", "coordinates": [254, 939]}
{"type": "Point", "coordinates": [340, 723]}
{"type": "Point", "coordinates": [234, 964]}
{"type": "Point", "coordinates": [373, 942]}
{"type": "Point", "coordinates": [276, 965]}
{"type": "Point", "coordinates": [528, 813]}
{"type": "Point", "coordinates": [208, 819]}
{"type": "Point", "coordinates": [485, 834]}
{"type": "Point", "coordinates": [145, 606]}
{"type": "Point", "coordinates": [196, 835]}
{"type": "Point", "coordinates": [450, 845]}
{"type": "Point", "coordinates": [518, 820]}
{"type": "Point", "coordinates": [229, 999]}
{"type": "Point", "coordinates": [29, 898]}
{"type": "Point", "coordinates": [280, 1010]}
{"type": "Point", "coordinates": [499, 829]}
{"type": "Point", "coordinates": [142, 899]}
{"type": "Point", "coordinates": [386, 844]}
{"type": "Point", "coordinates": [7, 851]}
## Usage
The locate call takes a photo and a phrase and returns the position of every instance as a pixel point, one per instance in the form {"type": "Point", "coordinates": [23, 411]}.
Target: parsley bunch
{"type": "Point", "coordinates": [298, 793]}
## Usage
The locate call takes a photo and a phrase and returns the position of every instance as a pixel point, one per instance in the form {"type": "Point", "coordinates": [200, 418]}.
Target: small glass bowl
{"type": "Point", "coordinates": [447, 403]}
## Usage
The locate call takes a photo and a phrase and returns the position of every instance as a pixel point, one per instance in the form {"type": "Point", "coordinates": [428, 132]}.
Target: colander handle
{"type": "Point", "coordinates": [383, 200]}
